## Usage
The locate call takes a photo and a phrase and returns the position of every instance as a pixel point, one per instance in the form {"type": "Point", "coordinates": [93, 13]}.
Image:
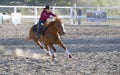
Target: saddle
{"type": "Point", "coordinates": [46, 25]}
{"type": "Point", "coordinates": [34, 28]}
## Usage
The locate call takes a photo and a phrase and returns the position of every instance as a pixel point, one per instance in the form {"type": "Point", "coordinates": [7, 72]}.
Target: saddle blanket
{"type": "Point", "coordinates": [34, 28]}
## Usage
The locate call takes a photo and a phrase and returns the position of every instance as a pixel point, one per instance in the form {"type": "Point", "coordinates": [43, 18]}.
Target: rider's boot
{"type": "Point", "coordinates": [38, 36]}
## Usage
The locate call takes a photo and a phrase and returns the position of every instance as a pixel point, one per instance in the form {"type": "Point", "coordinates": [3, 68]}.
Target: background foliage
{"type": "Point", "coordinates": [62, 2]}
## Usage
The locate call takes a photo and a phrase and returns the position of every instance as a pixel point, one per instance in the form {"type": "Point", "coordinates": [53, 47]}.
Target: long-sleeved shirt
{"type": "Point", "coordinates": [45, 15]}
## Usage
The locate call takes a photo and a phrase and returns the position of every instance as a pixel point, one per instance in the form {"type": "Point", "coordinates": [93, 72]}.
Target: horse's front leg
{"type": "Point", "coordinates": [61, 44]}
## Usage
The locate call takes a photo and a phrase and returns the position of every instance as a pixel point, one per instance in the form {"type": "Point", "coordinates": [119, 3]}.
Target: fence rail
{"type": "Point", "coordinates": [65, 12]}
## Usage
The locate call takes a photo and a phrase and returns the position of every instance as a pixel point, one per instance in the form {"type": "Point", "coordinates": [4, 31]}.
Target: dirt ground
{"type": "Point", "coordinates": [95, 50]}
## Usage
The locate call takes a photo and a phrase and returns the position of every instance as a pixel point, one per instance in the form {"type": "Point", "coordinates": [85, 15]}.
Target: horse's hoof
{"type": "Point", "coordinates": [53, 57]}
{"type": "Point", "coordinates": [41, 47]}
{"type": "Point", "coordinates": [70, 56]}
{"type": "Point", "coordinates": [48, 54]}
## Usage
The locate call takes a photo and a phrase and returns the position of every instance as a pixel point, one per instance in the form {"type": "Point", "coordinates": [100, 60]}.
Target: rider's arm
{"type": "Point", "coordinates": [52, 14]}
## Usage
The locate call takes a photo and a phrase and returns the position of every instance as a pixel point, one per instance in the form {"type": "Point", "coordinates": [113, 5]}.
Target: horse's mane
{"type": "Point", "coordinates": [52, 23]}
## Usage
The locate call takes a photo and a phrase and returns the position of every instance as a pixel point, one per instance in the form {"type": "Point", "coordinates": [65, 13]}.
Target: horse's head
{"type": "Point", "coordinates": [59, 26]}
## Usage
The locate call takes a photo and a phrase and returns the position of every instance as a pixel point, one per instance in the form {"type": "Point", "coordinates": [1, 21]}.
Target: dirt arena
{"type": "Point", "coordinates": [95, 50]}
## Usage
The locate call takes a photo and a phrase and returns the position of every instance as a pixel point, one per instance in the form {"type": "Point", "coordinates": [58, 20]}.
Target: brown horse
{"type": "Point", "coordinates": [50, 37]}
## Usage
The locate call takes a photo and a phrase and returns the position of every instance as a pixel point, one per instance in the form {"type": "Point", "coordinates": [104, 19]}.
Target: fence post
{"type": "Point", "coordinates": [71, 14]}
{"type": "Point", "coordinates": [36, 19]}
{"type": "Point", "coordinates": [15, 9]}
{"type": "Point", "coordinates": [75, 14]}
{"type": "Point", "coordinates": [1, 18]}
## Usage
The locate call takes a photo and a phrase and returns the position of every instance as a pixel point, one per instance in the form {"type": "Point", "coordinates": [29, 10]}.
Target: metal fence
{"type": "Point", "coordinates": [69, 14]}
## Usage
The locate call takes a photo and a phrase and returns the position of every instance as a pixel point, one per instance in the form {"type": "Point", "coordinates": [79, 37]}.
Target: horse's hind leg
{"type": "Point", "coordinates": [52, 47]}
{"type": "Point", "coordinates": [38, 43]}
{"type": "Point", "coordinates": [47, 50]}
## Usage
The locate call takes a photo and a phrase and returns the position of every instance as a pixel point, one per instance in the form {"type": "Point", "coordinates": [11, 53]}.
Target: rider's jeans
{"type": "Point", "coordinates": [40, 28]}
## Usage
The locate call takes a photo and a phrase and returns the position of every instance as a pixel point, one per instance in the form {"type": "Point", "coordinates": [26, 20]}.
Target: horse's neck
{"type": "Point", "coordinates": [51, 29]}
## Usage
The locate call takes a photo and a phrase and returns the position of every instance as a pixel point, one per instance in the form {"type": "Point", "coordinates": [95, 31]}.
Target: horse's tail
{"type": "Point", "coordinates": [31, 34]}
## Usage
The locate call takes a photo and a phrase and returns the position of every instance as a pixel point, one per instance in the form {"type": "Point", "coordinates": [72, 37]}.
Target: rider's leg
{"type": "Point", "coordinates": [39, 29]}
{"type": "Point", "coordinates": [39, 32]}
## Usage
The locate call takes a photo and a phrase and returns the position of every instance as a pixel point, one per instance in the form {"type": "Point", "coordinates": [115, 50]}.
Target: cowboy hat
{"type": "Point", "coordinates": [47, 7]}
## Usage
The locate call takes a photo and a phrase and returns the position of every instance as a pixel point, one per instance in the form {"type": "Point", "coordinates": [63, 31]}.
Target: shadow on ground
{"type": "Point", "coordinates": [74, 45]}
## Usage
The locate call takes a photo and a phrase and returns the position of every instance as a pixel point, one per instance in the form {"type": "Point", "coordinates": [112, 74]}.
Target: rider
{"type": "Point", "coordinates": [46, 13]}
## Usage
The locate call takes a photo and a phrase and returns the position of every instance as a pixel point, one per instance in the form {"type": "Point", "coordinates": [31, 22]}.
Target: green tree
{"type": "Point", "coordinates": [101, 2]}
{"type": "Point", "coordinates": [29, 1]}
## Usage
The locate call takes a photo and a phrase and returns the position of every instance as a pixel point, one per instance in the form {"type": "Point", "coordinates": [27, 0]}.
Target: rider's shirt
{"type": "Point", "coordinates": [45, 15]}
